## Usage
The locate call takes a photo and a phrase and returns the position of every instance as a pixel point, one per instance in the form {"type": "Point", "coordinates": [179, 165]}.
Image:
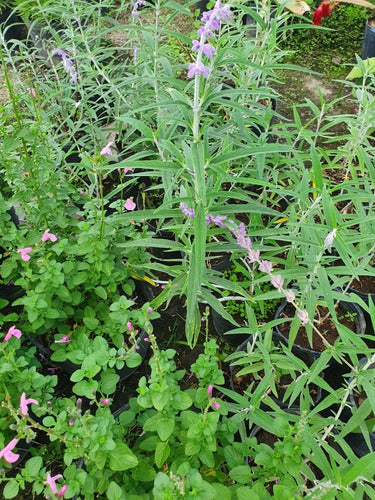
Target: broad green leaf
{"type": "Point", "coordinates": [11, 489]}
{"type": "Point", "coordinates": [114, 492]}
{"type": "Point", "coordinates": [122, 458]}
{"type": "Point", "coordinates": [161, 453]}
{"type": "Point", "coordinates": [364, 468]}
{"type": "Point", "coordinates": [241, 474]}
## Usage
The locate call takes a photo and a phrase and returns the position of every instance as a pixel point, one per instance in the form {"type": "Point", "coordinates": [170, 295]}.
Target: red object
{"type": "Point", "coordinates": [324, 10]}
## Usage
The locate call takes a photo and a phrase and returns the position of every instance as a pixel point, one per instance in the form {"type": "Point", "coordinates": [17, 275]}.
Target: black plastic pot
{"type": "Point", "coordinates": [223, 326]}
{"type": "Point", "coordinates": [310, 355]}
{"type": "Point", "coordinates": [366, 299]}
{"type": "Point", "coordinates": [368, 48]}
{"type": "Point", "coordinates": [12, 25]}
{"type": "Point", "coordinates": [356, 440]}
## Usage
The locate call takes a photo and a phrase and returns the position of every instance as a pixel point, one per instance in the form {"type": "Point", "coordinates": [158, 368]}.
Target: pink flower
{"type": "Point", "coordinates": [106, 151]}
{"type": "Point", "coordinates": [129, 204]}
{"type": "Point", "coordinates": [253, 256]}
{"type": "Point", "coordinates": [290, 296]}
{"type": "Point", "coordinates": [62, 491]}
{"type": "Point", "coordinates": [277, 281]}
{"type": "Point", "coordinates": [303, 316]}
{"type": "Point", "coordinates": [24, 253]}
{"type": "Point", "coordinates": [209, 390]}
{"type": "Point", "coordinates": [64, 340]}
{"type": "Point", "coordinates": [12, 332]}
{"type": "Point", "coordinates": [51, 482]}
{"type": "Point", "coordinates": [24, 402]}
{"type": "Point", "coordinates": [265, 266]}
{"type": "Point", "coordinates": [31, 92]}
{"type": "Point", "coordinates": [8, 454]}
{"type": "Point", "coordinates": [48, 236]}
{"type": "Point", "coordinates": [216, 405]}
{"type": "Point", "coordinates": [105, 401]}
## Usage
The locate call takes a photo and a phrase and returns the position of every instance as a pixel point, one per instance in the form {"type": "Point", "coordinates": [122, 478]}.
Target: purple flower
{"type": "Point", "coordinates": [198, 69]}
{"type": "Point", "coordinates": [67, 64]}
{"type": "Point", "coordinates": [136, 5]}
{"type": "Point", "coordinates": [196, 45]}
{"type": "Point", "coordinates": [218, 220]}
{"type": "Point", "coordinates": [24, 402]}
{"type": "Point", "coordinates": [208, 50]}
{"type": "Point", "coordinates": [189, 212]}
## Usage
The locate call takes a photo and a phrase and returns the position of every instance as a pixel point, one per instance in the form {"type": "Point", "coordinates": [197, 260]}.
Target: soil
{"type": "Point", "coordinates": [365, 284]}
{"type": "Point", "coordinates": [326, 327]}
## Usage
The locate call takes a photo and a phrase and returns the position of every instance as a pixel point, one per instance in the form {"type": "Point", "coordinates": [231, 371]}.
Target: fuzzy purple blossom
{"type": "Point", "coordinates": [218, 220]}
{"type": "Point", "coordinates": [265, 266]}
{"type": "Point", "coordinates": [189, 212]}
{"type": "Point", "coordinates": [136, 5]}
{"type": "Point", "coordinates": [303, 316]}
{"type": "Point", "coordinates": [277, 281]}
{"type": "Point", "coordinates": [67, 64]}
{"type": "Point", "coordinates": [198, 69]}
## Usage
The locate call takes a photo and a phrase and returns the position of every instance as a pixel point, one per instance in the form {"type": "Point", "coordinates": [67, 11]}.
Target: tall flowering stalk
{"type": "Point", "coordinates": [211, 19]}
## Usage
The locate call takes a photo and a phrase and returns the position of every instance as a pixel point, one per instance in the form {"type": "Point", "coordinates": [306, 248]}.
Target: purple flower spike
{"type": "Point", "coordinates": [189, 212]}
{"type": "Point", "coordinates": [198, 69]}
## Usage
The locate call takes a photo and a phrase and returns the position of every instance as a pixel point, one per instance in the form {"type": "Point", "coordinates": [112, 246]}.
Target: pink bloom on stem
{"type": "Point", "coordinates": [24, 253]}
{"type": "Point", "coordinates": [303, 316]}
{"type": "Point", "coordinates": [31, 92]}
{"type": "Point", "coordinates": [253, 256]}
{"type": "Point", "coordinates": [290, 295]}
{"type": "Point", "coordinates": [12, 332]}
{"type": "Point", "coordinates": [48, 236]}
{"type": "Point", "coordinates": [105, 401]}
{"type": "Point", "coordinates": [216, 405]}
{"type": "Point", "coordinates": [51, 482]}
{"type": "Point", "coordinates": [62, 491]}
{"type": "Point", "coordinates": [130, 205]}
{"type": "Point", "coordinates": [64, 340]}
{"type": "Point", "coordinates": [129, 326]}
{"type": "Point", "coordinates": [106, 151]}
{"type": "Point", "coordinates": [24, 402]}
{"type": "Point", "coordinates": [209, 390]}
{"type": "Point", "coordinates": [277, 281]}
{"type": "Point", "coordinates": [8, 454]}
{"type": "Point", "coordinates": [265, 266]}
{"type": "Point", "coordinates": [128, 169]}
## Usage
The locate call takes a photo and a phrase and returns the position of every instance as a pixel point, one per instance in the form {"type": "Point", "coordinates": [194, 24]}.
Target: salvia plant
{"type": "Point", "coordinates": [142, 152]}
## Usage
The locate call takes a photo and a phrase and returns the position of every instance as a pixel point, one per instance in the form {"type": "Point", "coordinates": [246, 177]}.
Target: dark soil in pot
{"type": "Point", "coordinates": [348, 314]}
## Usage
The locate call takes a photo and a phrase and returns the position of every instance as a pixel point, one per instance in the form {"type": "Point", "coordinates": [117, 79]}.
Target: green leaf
{"type": "Point", "coordinates": [33, 465]}
{"type": "Point", "coordinates": [133, 360]}
{"type": "Point", "coordinates": [109, 381]}
{"type": "Point", "coordinates": [11, 489]}
{"type": "Point", "coordinates": [114, 492]}
{"type": "Point", "coordinates": [368, 66]}
{"type": "Point", "coordinates": [241, 474]}
{"type": "Point", "coordinates": [91, 323]}
{"type": "Point", "coordinates": [363, 468]}
{"type": "Point", "coordinates": [77, 376]}
{"type": "Point", "coordinates": [100, 292]}
{"type": "Point", "coordinates": [144, 472]}
{"type": "Point", "coordinates": [161, 453]}
{"type": "Point", "coordinates": [86, 388]}
{"type": "Point", "coordinates": [49, 421]}
{"type": "Point", "coordinates": [122, 458]}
